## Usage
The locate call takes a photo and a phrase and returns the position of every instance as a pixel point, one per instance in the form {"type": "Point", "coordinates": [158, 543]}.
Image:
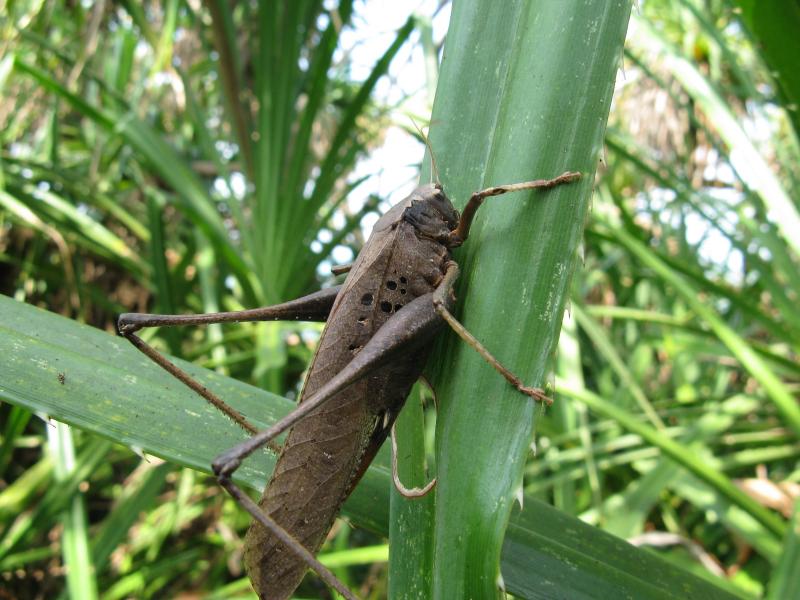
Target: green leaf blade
{"type": "Point", "coordinates": [523, 94]}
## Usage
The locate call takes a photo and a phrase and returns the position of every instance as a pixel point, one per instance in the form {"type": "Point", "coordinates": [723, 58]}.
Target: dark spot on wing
{"type": "Point", "coordinates": [367, 299]}
{"type": "Point", "coordinates": [386, 306]}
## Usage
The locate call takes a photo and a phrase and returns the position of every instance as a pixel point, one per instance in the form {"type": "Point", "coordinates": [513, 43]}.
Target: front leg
{"type": "Point", "coordinates": [442, 298]}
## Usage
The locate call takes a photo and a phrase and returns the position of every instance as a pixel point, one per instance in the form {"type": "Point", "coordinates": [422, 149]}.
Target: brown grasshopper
{"type": "Point", "coordinates": [380, 324]}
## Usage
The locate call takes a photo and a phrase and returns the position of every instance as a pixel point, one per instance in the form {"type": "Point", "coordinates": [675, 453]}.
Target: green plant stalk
{"type": "Point", "coordinates": [411, 558]}
{"type": "Point", "coordinates": [523, 93]}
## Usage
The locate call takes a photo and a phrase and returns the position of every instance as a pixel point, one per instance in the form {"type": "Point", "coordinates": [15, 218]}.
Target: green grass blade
{"type": "Point", "coordinates": [605, 347]}
{"type": "Point", "coordinates": [776, 390]}
{"type": "Point", "coordinates": [16, 496]}
{"type": "Point", "coordinates": [785, 582]}
{"type": "Point", "coordinates": [14, 426]}
{"type": "Point", "coordinates": [677, 453]}
{"type": "Point", "coordinates": [137, 13]}
{"type": "Point", "coordinates": [163, 59]}
{"type": "Point", "coordinates": [56, 498]}
{"type": "Point", "coordinates": [299, 163]}
{"type": "Point", "coordinates": [542, 540]}
{"type": "Point", "coordinates": [342, 141]}
{"type": "Point", "coordinates": [88, 232]}
{"type": "Point", "coordinates": [626, 512]}
{"type": "Point", "coordinates": [230, 70]}
{"type": "Point", "coordinates": [355, 556]}
{"type": "Point", "coordinates": [169, 165]}
{"type": "Point", "coordinates": [195, 200]}
{"type": "Point", "coordinates": [139, 495]}
{"type": "Point", "coordinates": [74, 519]}
{"type": "Point", "coordinates": [774, 27]}
{"type": "Point", "coordinates": [574, 417]}
{"type": "Point", "coordinates": [739, 521]}
{"type": "Point", "coordinates": [745, 157]}
{"type": "Point", "coordinates": [788, 326]}
{"type": "Point", "coordinates": [51, 85]}
{"type": "Point", "coordinates": [340, 157]}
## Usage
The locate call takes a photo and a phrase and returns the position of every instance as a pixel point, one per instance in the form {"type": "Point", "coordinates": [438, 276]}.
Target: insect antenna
{"type": "Point", "coordinates": [434, 169]}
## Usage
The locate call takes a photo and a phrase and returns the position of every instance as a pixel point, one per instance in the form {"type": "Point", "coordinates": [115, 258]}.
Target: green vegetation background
{"type": "Point", "coordinates": [127, 130]}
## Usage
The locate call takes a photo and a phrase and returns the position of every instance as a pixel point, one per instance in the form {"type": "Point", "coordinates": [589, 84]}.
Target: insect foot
{"type": "Point", "coordinates": [536, 393]}
{"type": "Point", "coordinates": [130, 322]}
{"type": "Point", "coordinates": [224, 465]}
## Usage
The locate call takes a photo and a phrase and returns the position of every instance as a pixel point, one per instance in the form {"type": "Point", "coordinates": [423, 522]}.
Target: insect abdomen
{"type": "Point", "coordinates": [327, 452]}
